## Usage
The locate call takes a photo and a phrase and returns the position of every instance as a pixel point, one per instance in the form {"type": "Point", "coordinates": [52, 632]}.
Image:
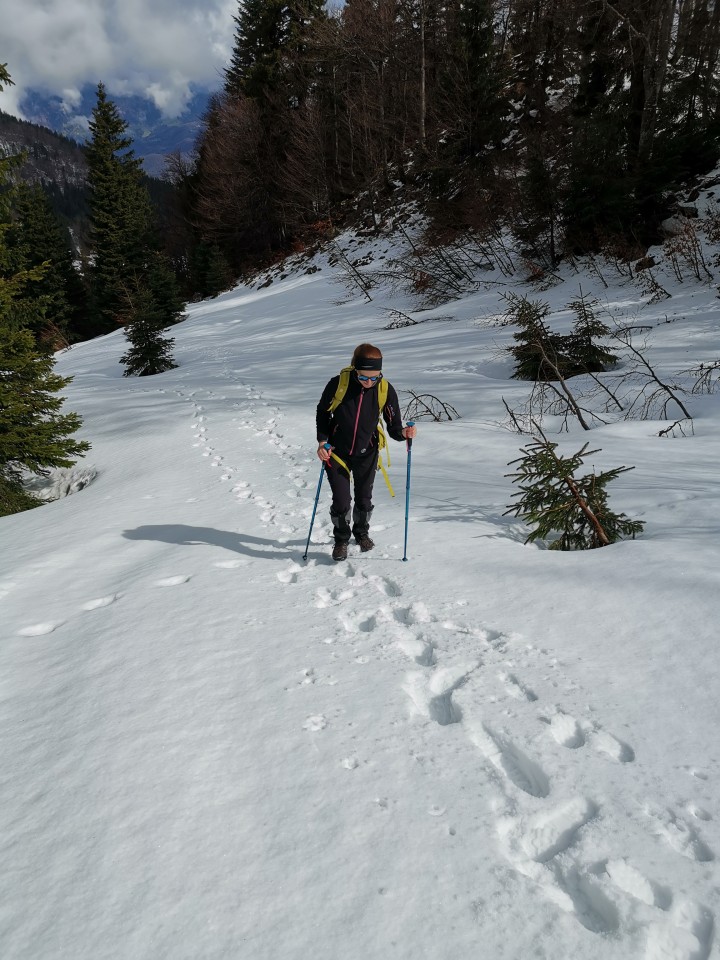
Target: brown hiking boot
{"type": "Point", "coordinates": [340, 551]}
{"type": "Point", "coordinates": [364, 542]}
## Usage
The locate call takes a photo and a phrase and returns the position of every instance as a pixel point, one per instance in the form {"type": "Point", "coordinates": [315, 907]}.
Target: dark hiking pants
{"type": "Point", "coordinates": [363, 469]}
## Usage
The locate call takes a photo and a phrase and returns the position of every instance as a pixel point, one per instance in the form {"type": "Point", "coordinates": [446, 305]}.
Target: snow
{"type": "Point", "coordinates": [211, 749]}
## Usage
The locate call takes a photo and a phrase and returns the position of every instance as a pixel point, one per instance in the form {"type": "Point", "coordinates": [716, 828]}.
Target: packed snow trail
{"type": "Point", "coordinates": [213, 750]}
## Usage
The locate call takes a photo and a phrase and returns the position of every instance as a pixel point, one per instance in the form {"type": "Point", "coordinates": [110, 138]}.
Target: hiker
{"type": "Point", "coordinates": [348, 419]}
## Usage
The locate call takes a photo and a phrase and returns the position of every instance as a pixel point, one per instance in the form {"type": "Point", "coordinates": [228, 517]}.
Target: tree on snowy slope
{"type": "Point", "coordinates": [37, 237]}
{"type": "Point", "coordinates": [34, 435]}
{"type": "Point", "coordinates": [150, 351]}
{"type": "Point", "coordinates": [126, 254]}
{"type": "Point", "coordinates": [568, 512]}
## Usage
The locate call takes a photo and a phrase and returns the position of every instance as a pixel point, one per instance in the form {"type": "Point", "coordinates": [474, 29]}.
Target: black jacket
{"type": "Point", "coordinates": [352, 428]}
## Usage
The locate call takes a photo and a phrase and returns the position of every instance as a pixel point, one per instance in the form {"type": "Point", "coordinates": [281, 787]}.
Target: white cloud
{"type": "Point", "coordinates": [71, 99]}
{"type": "Point", "coordinates": [156, 48]}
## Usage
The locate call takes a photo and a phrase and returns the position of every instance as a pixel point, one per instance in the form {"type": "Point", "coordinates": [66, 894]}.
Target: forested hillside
{"type": "Point", "coordinates": [572, 123]}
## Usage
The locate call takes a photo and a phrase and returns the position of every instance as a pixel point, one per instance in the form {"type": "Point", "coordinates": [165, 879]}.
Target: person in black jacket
{"type": "Point", "coordinates": [351, 430]}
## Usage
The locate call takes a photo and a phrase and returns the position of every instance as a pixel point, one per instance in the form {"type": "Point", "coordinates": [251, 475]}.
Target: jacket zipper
{"type": "Point", "coordinates": [357, 418]}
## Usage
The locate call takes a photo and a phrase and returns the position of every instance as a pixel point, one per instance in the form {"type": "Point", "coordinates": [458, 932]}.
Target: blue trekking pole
{"type": "Point", "coordinates": [317, 497]}
{"type": "Point", "coordinates": [410, 423]}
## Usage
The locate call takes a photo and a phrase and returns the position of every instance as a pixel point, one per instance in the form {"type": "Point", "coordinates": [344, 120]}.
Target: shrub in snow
{"type": "Point", "coordinates": [569, 512]}
{"type": "Point", "coordinates": [541, 354]}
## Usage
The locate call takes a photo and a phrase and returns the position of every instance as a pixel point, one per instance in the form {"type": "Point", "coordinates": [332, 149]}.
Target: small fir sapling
{"type": "Point", "coordinates": [569, 512]}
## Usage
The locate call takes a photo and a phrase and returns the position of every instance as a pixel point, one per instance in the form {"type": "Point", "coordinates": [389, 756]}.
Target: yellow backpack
{"type": "Point", "coordinates": [382, 400]}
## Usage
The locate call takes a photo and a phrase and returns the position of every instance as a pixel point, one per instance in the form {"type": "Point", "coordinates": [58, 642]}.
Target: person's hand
{"type": "Point", "coordinates": [323, 452]}
{"type": "Point", "coordinates": [409, 432]}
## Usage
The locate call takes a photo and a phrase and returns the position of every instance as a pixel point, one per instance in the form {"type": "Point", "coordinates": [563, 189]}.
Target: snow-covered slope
{"type": "Point", "coordinates": [211, 749]}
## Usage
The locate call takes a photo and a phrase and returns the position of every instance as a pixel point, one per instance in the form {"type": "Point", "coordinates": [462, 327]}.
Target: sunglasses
{"type": "Point", "coordinates": [364, 379]}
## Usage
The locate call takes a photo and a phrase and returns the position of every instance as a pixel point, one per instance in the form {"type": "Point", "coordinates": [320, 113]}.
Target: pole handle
{"type": "Point", "coordinates": [410, 423]}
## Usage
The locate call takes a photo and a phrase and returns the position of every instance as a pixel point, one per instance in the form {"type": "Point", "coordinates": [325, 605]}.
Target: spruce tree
{"type": "Point", "coordinates": [269, 34]}
{"type": "Point", "coordinates": [119, 211]}
{"type": "Point", "coordinates": [568, 512]}
{"type": "Point", "coordinates": [584, 354]}
{"type": "Point", "coordinates": [485, 105]}
{"type": "Point", "coordinates": [34, 435]}
{"type": "Point", "coordinates": [541, 354]}
{"type": "Point", "coordinates": [145, 320]}
{"type": "Point", "coordinates": [37, 237]}
{"type": "Point", "coordinates": [131, 282]}
{"type": "Point", "coordinates": [534, 340]}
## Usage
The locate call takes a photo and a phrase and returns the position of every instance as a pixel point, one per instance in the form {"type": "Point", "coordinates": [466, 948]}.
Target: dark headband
{"type": "Point", "coordinates": [369, 363]}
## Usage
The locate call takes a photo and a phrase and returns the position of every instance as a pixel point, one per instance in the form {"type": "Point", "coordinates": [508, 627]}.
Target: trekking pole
{"type": "Point", "coordinates": [317, 497]}
{"type": "Point", "coordinates": [410, 423]}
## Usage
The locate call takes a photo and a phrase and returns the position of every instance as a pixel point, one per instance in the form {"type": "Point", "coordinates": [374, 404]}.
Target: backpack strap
{"type": "Point", "coordinates": [341, 388]}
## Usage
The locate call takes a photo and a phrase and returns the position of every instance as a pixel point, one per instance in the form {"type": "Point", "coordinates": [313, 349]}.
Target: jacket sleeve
{"type": "Point", "coordinates": [391, 414]}
{"type": "Point", "coordinates": [323, 417]}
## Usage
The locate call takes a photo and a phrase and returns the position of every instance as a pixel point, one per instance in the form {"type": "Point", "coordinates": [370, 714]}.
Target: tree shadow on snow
{"type": "Point", "coordinates": [242, 543]}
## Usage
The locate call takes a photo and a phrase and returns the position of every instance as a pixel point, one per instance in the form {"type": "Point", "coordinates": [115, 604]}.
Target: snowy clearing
{"type": "Point", "coordinates": [211, 749]}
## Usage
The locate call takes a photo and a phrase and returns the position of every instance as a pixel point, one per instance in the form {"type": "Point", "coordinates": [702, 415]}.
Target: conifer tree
{"type": "Point", "coordinates": [119, 208]}
{"type": "Point", "coordinates": [269, 34]}
{"type": "Point", "coordinates": [145, 320]}
{"type": "Point", "coordinates": [37, 237]}
{"type": "Point", "coordinates": [584, 354]}
{"type": "Point", "coordinates": [535, 341]}
{"type": "Point", "coordinates": [478, 79]}
{"type": "Point", "coordinates": [34, 434]}
{"type": "Point", "coordinates": [210, 270]}
{"type": "Point", "coordinates": [130, 280]}
{"type": "Point", "coordinates": [541, 354]}
{"type": "Point", "coordinates": [569, 512]}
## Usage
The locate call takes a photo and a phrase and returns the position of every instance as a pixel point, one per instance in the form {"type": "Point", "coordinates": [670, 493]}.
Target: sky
{"type": "Point", "coordinates": [159, 49]}
{"type": "Point", "coordinates": [213, 748]}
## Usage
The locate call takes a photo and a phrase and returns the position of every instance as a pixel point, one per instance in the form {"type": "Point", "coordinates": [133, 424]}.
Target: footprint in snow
{"type": "Point", "coordinates": [40, 629]}
{"type": "Point", "coordinates": [329, 598]}
{"type": "Point", "coordinates": [542, 836]}
{"type": "Point", "coordinates": [678, 834]}
{"type": "Point", "coordinates": [172, 581]}
{"type": "Point", "coordinates": [418, 650]}
{"type": "Point", "coordinates": [517, 689]}
{"type": "Point", "coordinates": [291, 574]}
{"type": "Point", "coordinates": [565, 730]}
{"type": "Point", "coordinates": [100, 602]}
{"type": "Point", "coordinates": [386, 587]}
{"type": "Point", "coordinates": [358, 623]}
{"type": "Point", "coordinates": [686, 935]}
{"type": "Point", "coordinates": [510, 760]}
{"type": "Point", "coordinates": [700, 813]}
{"type": "Point", "coordinates": [231, 564]}
{"type": "Point", "coordinates": [431, 696]}
{"type": "Point", "coordinates": [581, 893]}
{"type": "Point", "coordinates": [417, 613]}
{"type": "Point", "coordinates": [611, 746]}
{"type": "Point", "coordinates": [631, 881]}
{"type": "Point", "coordinates": [315, 724]}
{"type": "Point", "coordinates": [534, 844]}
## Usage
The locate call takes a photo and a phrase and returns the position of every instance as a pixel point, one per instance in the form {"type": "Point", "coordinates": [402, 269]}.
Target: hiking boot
{"type": "Point", "coordinates": [340, 551]}
{"type": "Point", "coordinates": [364, 542]}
